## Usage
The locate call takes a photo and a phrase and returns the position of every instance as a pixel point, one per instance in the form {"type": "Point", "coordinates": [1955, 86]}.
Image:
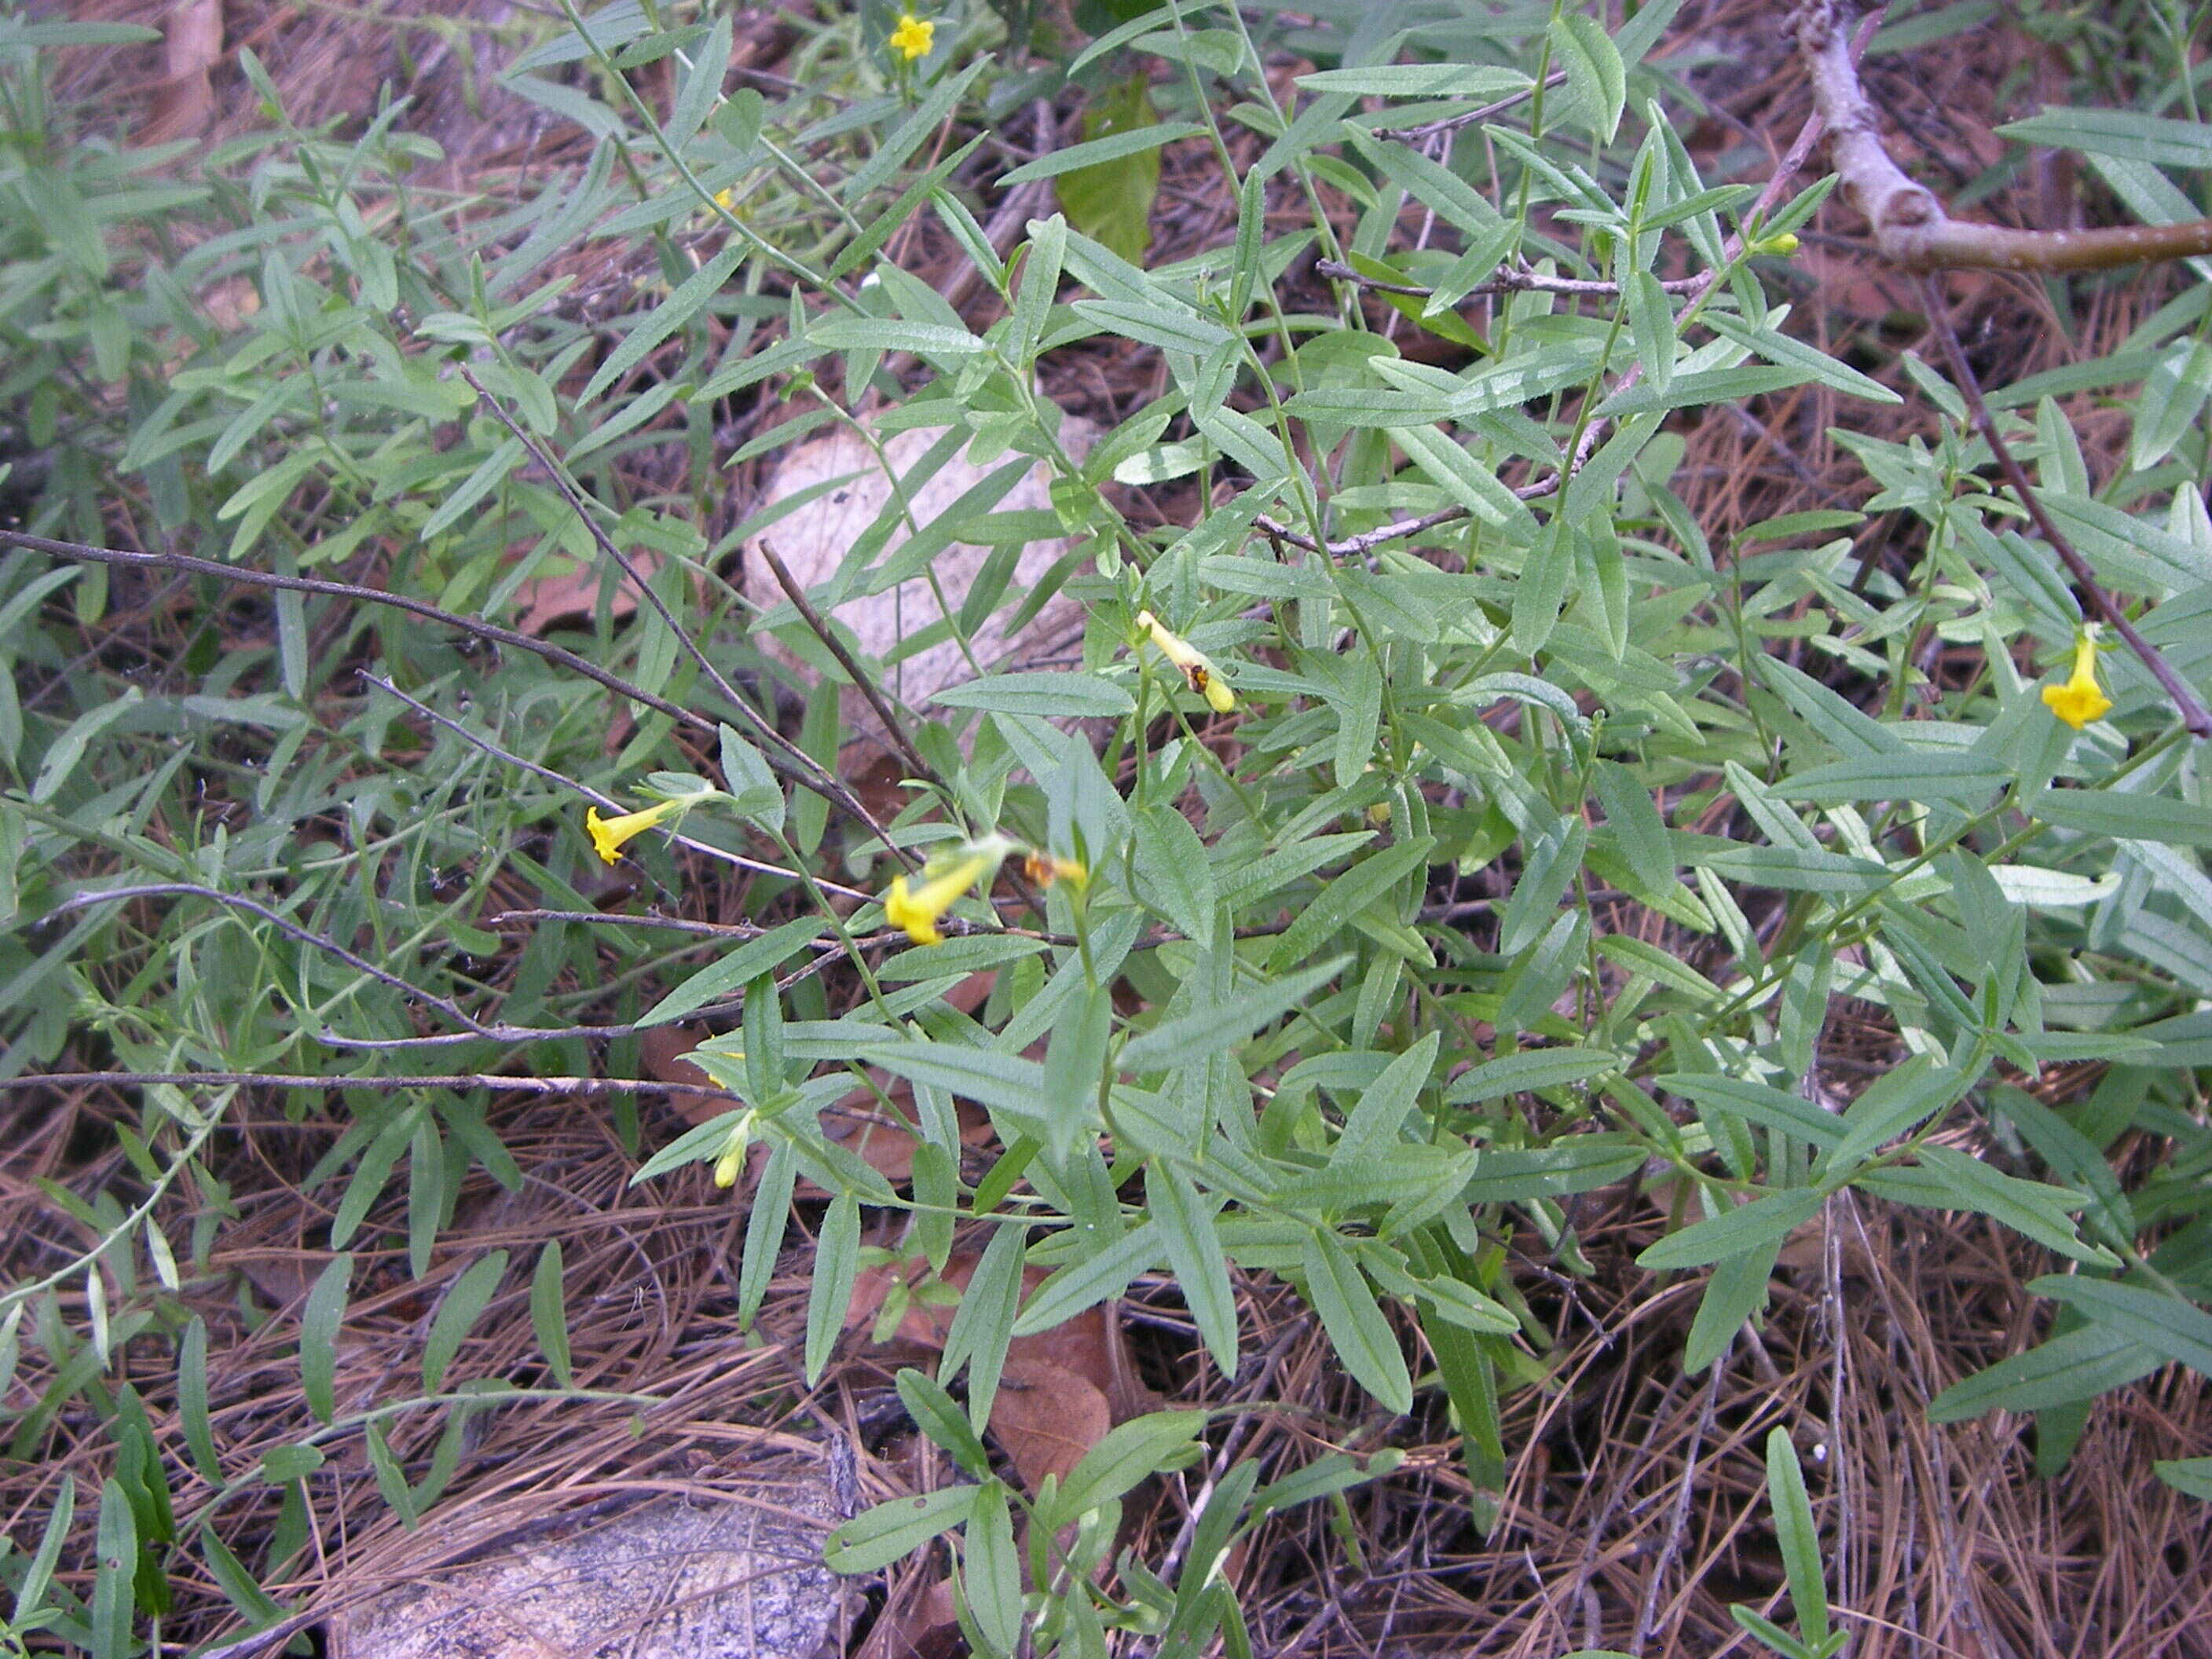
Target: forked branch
{"type": "Point", "coordinates": [1909, 225]}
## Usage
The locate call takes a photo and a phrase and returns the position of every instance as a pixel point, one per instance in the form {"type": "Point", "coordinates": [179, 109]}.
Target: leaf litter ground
{"type": "Point", "coordinates": [1632, 1515]}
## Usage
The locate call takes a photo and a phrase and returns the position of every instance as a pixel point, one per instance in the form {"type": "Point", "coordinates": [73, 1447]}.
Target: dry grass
{"type": "Point", "coordinates": [1633, 1516]}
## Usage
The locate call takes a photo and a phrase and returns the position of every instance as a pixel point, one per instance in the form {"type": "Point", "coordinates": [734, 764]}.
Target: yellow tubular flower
{"type": "Point", "coordinates": [1197, 667]}
{"type": "Point", "coordinates": [1045, 868]}
{"type": "Point", "coordinates": [2081, 699]}
{"type": "Point", "coordinates": [916, 910]}
{"type": "Point", "coordinates": [913, 38]}
{"type": "Point", "coordinates": [608, 834]}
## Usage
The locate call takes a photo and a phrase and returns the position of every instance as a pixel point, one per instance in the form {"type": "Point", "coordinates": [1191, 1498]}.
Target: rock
{"type": "Point", "coordinates": [678, 1577]}
{"type": "Point", "coordinates": [814, 540]}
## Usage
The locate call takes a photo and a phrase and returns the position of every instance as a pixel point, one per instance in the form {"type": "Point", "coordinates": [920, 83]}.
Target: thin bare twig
{"type": "Point", "coordinates": [737, 860]}
{"type": "Point", "coordinates": [291, 930]}
{"type": "Point", "coordinates": [1429, 130]}
{"type": "Point", "coordinates": [185, 564]}
{"type": "Point", "coordinates": [2194, 716]}
{"type": "Point", "coordinates": [528, 1086]}
{"type": "Point", "coordinates": [1513, 281]}
{"type": "Point", "coordinates": [1910, 226]}
{"type": "Point", "coordinates": [798, 763]}
{"type": "Point", "coordinates": [893, 726]}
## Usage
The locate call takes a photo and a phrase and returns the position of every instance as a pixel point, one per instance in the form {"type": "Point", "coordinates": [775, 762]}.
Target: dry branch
{"type": "Point", "coordinates": [1910, 226]}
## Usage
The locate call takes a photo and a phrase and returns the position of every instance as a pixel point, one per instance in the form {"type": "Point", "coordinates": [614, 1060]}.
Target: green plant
{"type": "Point", "coordinates": [1437, 826]}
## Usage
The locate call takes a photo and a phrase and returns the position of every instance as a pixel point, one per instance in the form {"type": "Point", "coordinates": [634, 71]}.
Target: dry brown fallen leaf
{"type": "Point", "coordinates": [918, 1622]}
{"type": "Point", "coordinates": [575, 591]}
{"type": "Point", "coordinates": [1062, 1389]}
{"type": "Point", "coordinates": [1047, 1418]}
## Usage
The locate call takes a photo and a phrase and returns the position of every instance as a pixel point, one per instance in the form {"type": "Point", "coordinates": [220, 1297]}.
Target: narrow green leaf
{"type": "Point", "coordinates": [1595, 71]}
{"type": "Point", "coordinates": [2127, 133]}
{"type": "Point", "coordinates": [254, 1604]}
{"type": "Point", "coordinates": [1366, 883]}
{"type": "Point", "coordinates": [1137, 1450]}
{"type": "Point", "coordinates": [1799, 1537]}
{"type": "Point", "coordinates": [192, 1401]}
{"type": "Point", "coordinates": [1004, 1083]}
{"type": "Point", "coordinates": [1201, 1266]}
{"type": "Point", "coordinates": [1178, 877]}
{"type": "Point", "coordinates": [1483, 82]}
{"type": "Point", "coordinates": [1959, 776]}
{"type": "Point", "coordinates": [1652, 322]}
{"type": "Point", "coordinates": [1357, 1329]}
{"type": "Point", "coordinates": [1771, 1108]}
{"type": "Point", "coordinates": [2030, 1208]}
{"type": "Point", "coordinates": [910, 135]}
{"type": "Point", "coordinates": [983, 1324]}
{"type": "Point", "coordinates": [748, 962]}
{"type": "Point", "coordinates": [1736, 1232]}
{"type": "Point", "coordinates": [836, 1264]}
{"type": "Point", "coordinates": [1579, 1163]}
{"type": "Point", "coordinates": [1213, 1030]}
{"type": "Point", "coordinates": [115, 1569]}
{"type": "Point", "coordinates": [1374, 1125]}
{"type": "Point", "coordinates": [871, 1540]}
{"type": "Point", "coordinates": [2191, 1475]}
{"type": "Point", "coordinates": [1469, 482]}
{"type": "Point", "coordinates": [1542, 588]}
{"type": "Point", "coordinates": [1641, 957]}
{"type": "Point", "coordinates": [885, 225]}
{"type": "Point", "coordinates": [672, 313]}
{"type": "Point", "coordinates": [1780, 1640]}
{"type": "Point", "coordinates": [1783, 352]}
{"type": "Point", "coordinates": [549, 1313]}
{"type": "Point", "coordinates": [31, 1588]}
{"type": "Point", "coordinates": [1736, 1290]}
{"type": "Point", "coordinates": [1086, 1283]}
{"type": "Point", "coordinates": [2181, 1331]}
{"type": "Point", "coordinates": [1052, 696]}
{"type": "Point", "coordinates": [1097, 152]}
{"type": "Point", "coordinates": [281, 1465]}
{"type": "Point", "coordinates": [321, 1320]}
{"type": "Point", "coordinates": [2077, 1366]}
{"type": "Point", "coordinates": [2126, 818]}
{"type": "Point", "coordinates": [844, 333]}
{"type": "Point", "coordinates": [457, 1315]}
{"type": "Point", "coordinates": [391, 1478]}
{"type": "Point", "coordinates": [1529, 1069]}
{"type": "Point", "coordinates": [764, 1230]}
{"type": "Point", "coordinates": [936, 1415]}
{"type": "Point", "coordinates": [994, 1570]}
{"type": "Point", "coordinates": [1893, 1104]}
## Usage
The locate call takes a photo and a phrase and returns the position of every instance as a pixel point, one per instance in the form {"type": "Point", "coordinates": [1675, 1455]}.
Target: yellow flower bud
{"type": "Point", "coordinates": [732, 1159]}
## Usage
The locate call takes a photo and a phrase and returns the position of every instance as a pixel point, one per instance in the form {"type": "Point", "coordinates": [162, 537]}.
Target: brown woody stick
{"type": "Point", "coordinates": [1909, 224]}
